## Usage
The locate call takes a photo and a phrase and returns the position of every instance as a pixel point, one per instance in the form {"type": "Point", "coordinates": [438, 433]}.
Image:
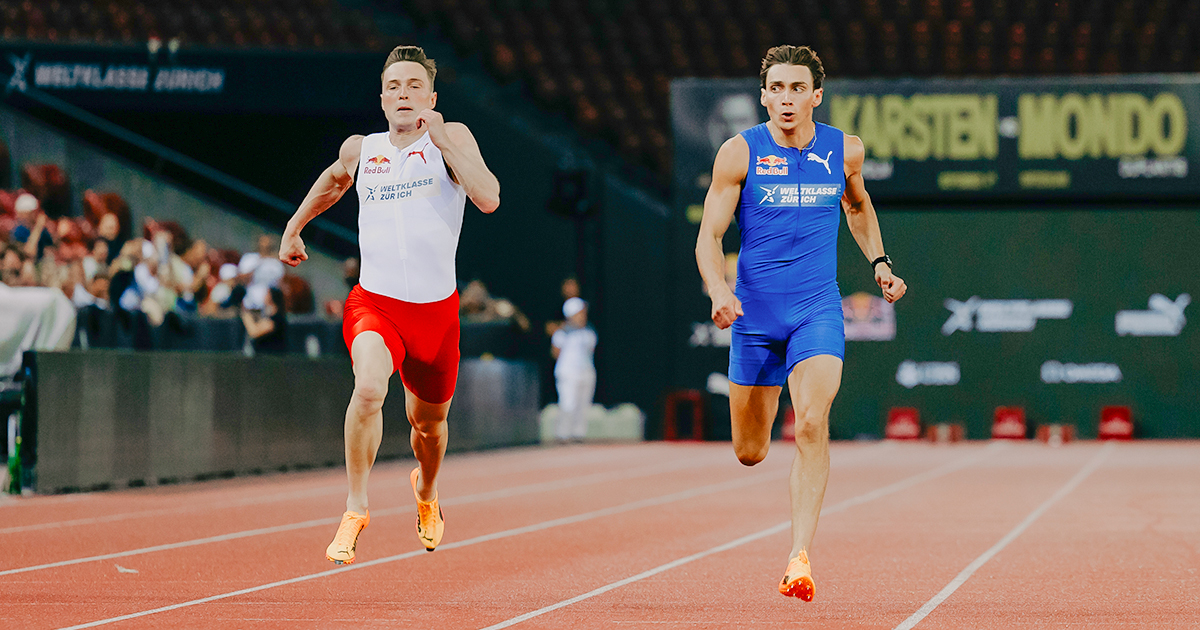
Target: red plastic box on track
{"type": "Point", "coordinates": [1056, 434]}
{"type": "Point", "coordinates": [1116, 423]}
{"type": "Point", "coordinates": [903, 423]}
{"type": "Point", "coordinates": [944, 433]}
{"type": "Point", "coordinates": [1008, 423]}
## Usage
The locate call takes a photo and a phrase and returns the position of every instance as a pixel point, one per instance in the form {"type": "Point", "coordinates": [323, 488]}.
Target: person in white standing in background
{"type": "Point", "coordinates": [573, 347]}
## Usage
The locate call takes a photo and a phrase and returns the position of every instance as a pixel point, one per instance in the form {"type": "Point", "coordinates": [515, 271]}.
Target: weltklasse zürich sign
{"type": "Point", "coordinates": [63, 75]}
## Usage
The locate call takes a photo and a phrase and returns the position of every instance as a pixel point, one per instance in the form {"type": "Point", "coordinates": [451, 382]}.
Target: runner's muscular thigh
{"type": "Point", "coordinates": [752, 414]}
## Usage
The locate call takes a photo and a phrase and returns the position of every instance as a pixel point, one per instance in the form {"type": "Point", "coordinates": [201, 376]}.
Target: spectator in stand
{"type": "Point", "coordinates": [196, 259]}
{"type": "Point", "coordinates": [109, 231]}
{"type": "Point", "coordinates": [96, 261]}
{"type": "Point", "coordinates": [350, 271]}
{"type": "Point", "coordinates": [260, 271]}
{"type": "Point", "coordinates": [267, 329]}
{"type": "Point", "coordinates": [478, 306]}
{"type": "Point", "coordinates": [123, 287]}
{"type": "Point", "coordinates": [569, 289]}
{"type": "Point", "coordinates": [146, 284]}
{"type": "Point", "coordinates": [71, 239]}
{"type": "Point", "coordinates": [90, 292]}
{"type": "Point", "coordinates": [15, 267]}
{"type": "Point", "coordinates": [31, 230]}
{"type": "Point", "coordinates": [225, 295]}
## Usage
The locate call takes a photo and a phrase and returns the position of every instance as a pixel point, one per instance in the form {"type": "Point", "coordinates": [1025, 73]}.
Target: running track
{"type": "Point", "coordinates": [654, 535]}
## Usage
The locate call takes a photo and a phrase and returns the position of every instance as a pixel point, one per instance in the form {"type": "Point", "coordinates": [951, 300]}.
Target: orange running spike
{"type": "Point", "coordinates": [430, 524]}
{"type": "Point", "coordinates": [798, 582]}
{"type": "Point", "coordinates": [341, 550]}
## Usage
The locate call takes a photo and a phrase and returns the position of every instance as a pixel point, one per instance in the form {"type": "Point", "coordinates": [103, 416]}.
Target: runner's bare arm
{"type": "Point", "coordinates": [461, 153]}
{"type": "Point", "coordinates": [729, 172]}
{"type": "Point", "coordinates": [862, 220]}
{"type": "Point", "coordinates": [329, 187]}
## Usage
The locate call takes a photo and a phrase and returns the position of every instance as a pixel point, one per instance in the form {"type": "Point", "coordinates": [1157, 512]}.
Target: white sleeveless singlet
{"type": "Point", "coordinates": [410, 214]}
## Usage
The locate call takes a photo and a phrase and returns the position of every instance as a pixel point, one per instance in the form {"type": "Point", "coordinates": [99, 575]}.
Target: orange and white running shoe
{"type": "Point", "coordinates": [341, 550]}
{"type": "Point", "coordinates": [798, 582]}
{"type": "Point", "coordinates": [430, 524]}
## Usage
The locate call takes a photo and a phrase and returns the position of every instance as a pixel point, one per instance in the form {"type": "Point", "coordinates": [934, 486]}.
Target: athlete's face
{"type": "Point", "coordinates": [406, 92]}
{"type": "Point", "coordinates": [789, 96]}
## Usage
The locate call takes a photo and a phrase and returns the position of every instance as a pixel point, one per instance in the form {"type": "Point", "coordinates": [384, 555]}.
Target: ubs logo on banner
{"type": "Point", "coordinates": [1055, 372]}
{"type": "Point", "coordinates": [910, 373]}
{"type": "Point", "coordinates": [1002, 315]}
{"type": "Point", "coordinates": [1163, 319]}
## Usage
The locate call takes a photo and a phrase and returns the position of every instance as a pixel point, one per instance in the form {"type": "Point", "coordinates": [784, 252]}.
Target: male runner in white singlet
{"type": "Point", "coordinates": [413, 182]}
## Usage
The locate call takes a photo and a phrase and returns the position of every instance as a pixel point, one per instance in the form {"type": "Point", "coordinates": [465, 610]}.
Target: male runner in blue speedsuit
{"type": "Point", "coordinates": [785, 180]}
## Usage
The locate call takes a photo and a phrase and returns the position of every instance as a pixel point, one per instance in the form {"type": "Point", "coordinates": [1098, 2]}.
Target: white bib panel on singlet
{"type": "Point", "coordinates": [410, 214]}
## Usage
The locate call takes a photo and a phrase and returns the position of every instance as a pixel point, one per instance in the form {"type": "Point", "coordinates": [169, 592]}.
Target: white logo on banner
{"type": "Point", "coordinates": [1055, 372]}
{"type": "Point", "coordinates": [20, 67]}
{"type": "Point", "coordinates": [1164, 319]}
{"type": "Point", "coordinates": [910, 374]}
{"type": "Point", "coordinates": [1002, 315]}
{"type": "Point", "coordinates": [94, 76]}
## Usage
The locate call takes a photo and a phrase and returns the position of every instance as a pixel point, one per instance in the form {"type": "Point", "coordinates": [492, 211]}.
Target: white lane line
{"type": "Point", "coordinates": [502, 493]}
{"type": "Point", "coordinates": [291, 495]}
{"type": "Point", "coordinates": [770, 531]}
{"type": "Point", "coordinates": [226, 504]}
{"type": "Point", "coordinates": [453, 501]}
{"type": "Point", "coordinates": [508, 533]}
{"type": "Point", "coordinates": [94, 520]}
{"type": "Point", "coordinates": [966, 573]}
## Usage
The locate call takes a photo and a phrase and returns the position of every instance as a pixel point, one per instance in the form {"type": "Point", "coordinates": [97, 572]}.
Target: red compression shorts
{"type": "Point", "coordinates": [423, 338]}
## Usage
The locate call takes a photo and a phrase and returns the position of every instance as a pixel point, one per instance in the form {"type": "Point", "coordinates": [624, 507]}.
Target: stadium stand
{"type": "Point", "coordinates": [608, 63]}
{"type": "Point", "coordinates": [290, 24]}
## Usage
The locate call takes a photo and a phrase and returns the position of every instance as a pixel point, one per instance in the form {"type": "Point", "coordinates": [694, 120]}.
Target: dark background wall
{"type": "Point", "coordinates": [111, 418]}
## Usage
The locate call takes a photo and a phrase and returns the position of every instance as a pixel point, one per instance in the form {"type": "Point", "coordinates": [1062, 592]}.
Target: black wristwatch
{"type": "Point", "coordinates": [882, 259]}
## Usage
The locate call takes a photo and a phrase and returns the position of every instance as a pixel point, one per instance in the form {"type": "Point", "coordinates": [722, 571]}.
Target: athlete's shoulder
{"type": "Point", "coordinates": [734, 148]}
{"type": "Point", "coordinates": [459, 132]}
{"type": "Point", "coordinates": [348, 156]}
{"type": "Point", "coordinates": [732, 161]}
{"type": "Point", "coordinates": [352, 146]}
{"type": "Point", "coordinates": [854, 150]}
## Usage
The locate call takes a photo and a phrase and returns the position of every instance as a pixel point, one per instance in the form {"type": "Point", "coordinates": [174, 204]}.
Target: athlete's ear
{"type": "Point", "coordinates": [818, 94]}
{"type": "Point", "coordinates": [433, 100]}
{"type": "Point", "coordinates": [762, 97]}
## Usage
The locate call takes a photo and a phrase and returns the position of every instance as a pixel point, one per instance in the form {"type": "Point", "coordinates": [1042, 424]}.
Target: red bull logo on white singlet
{"type": "Point", "coordinates": [378, 165]}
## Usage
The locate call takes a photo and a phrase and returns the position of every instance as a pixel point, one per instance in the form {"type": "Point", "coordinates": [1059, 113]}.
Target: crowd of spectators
{"type": "Point", "coordinates": [160, 271]}
{"type": "Point", "coordinates": [99, 261]}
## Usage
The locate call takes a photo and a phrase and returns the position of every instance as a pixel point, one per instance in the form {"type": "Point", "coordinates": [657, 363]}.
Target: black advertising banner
{"type": "Point", "coordinates": [1079, 137]}
{"type": "Point", "coordinates": [1058, 309]}
{"type": "Point", "coordinates": [133, 78]}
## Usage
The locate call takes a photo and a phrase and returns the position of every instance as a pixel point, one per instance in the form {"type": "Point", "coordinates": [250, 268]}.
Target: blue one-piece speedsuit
{"type": "Point", "coordinates": [788, 213]}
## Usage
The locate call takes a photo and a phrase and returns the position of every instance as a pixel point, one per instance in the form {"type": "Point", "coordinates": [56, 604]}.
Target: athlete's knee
{"type": "Point", "coordinates": [750, 454]}
{"type": "Point", "coordinates": [428, 428]}
{"type": "Point", "coordinates": [812, 426]}
{"type": "Point", "coordinates": [368, 396]}
{"type": "Point", "coordinates": [427, 420]}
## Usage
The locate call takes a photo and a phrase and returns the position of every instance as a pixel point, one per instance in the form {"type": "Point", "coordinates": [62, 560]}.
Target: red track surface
{"type": "Point", "coordinates": [636, 536]}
